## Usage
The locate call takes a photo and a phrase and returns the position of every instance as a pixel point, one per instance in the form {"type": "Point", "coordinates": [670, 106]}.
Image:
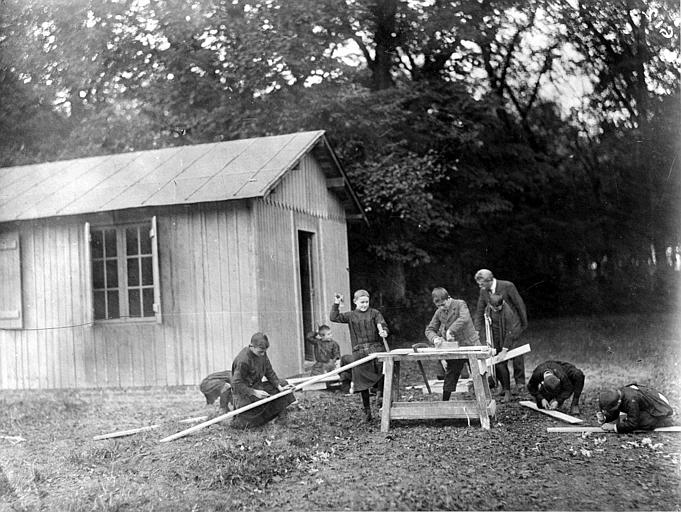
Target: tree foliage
{"type": "Point", "coordinates": [451, 117]}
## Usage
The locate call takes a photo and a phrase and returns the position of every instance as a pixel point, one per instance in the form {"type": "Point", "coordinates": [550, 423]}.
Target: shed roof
{"type": "Point", "coordinates": [220, 171]}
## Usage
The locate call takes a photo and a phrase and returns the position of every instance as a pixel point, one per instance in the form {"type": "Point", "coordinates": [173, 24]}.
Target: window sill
{"type": "Point", "coordinates": [131, 320]}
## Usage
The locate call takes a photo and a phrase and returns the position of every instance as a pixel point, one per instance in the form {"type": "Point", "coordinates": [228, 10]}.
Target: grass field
{"type": "Point", "coordinates": [327, 458]}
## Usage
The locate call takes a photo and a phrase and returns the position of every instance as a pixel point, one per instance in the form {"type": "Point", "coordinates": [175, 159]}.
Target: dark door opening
{"type": "Point", "coordinates": [307, 291]}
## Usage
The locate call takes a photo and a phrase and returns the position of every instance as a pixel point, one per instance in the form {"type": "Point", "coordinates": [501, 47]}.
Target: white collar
{"type": "Point", "coordinates": [493, 289]}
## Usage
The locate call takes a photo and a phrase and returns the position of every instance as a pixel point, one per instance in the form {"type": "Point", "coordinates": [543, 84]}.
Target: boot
{"type": "Point", "coordinates": [367, 415]}
{"type": "Point", "coordinates": [507, 396]}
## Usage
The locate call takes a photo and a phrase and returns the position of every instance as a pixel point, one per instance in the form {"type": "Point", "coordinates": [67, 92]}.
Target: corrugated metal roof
{"type": "Point", "coordinates": [219, 171]}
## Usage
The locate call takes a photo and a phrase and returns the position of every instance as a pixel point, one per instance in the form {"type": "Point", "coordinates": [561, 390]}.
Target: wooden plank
{"type": "Point", "coordinates": [523, 349]}
{"type": "Point", "coordinates": [230, 276]}
{"type": "Point", "coordinates": [555, 414]}
{"type": "Point", "coordinates": [320, 378]}
{"type": "Point", "coordinates": [141, 338]}
{"type": "Point", "coordinates": [578, 430]}
{"type": "Point", "coordinates": [194, 420]}
{"type": "Point", "coordinates": [185, 298]}
{"type": "Point", "coordinates": [390, 392]}
{"type": "Point", "coordinates": [433, 350]}
{"type": "Point", "coordinates": [214, 328]}
{"type": "Point", "coordinates": [482, 394]}
{"type": "Point", "coordinates": [44, 295]}
{"type": "Point", "coordinates": [457, 409]}
{"type": "Point", "coordinates": [203, 342]}
{"type": "Point", "coordinates": [123, 433]}
{"type": "Point", "coordinates": [297, 380]}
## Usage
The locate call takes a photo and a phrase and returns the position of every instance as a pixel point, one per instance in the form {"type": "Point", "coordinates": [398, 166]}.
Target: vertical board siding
{"type": "Point", "coordinates": [301, 201]}
{"type": "Point", "coordinates": [303, 189]}
{"type": "Point", "coordinates": [335, 261]}
{"type": "Point", "coordinates": [278, 286]}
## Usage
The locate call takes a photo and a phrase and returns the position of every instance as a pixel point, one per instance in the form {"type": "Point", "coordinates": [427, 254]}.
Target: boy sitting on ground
{"type": "Point", "coordinates": [326, 350]}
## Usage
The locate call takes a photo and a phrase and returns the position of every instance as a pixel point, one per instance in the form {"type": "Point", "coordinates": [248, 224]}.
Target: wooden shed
{"type": "Point", "coordinates": [154, 268]}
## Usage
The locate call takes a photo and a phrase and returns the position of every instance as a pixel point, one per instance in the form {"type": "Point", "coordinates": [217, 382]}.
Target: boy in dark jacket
{"type": "Point", "coordinates": [248, 369]}
{"type": "Point", "coordinates": [645, 409]}
{"type": "Point", "coordinates": [553, 382]}
{"type": "Point", "coordinates": [505, 327]}
{"type": "Point", "coordinates": [326, 350]}
{"type": "Point", "coordinates": [367, 326]}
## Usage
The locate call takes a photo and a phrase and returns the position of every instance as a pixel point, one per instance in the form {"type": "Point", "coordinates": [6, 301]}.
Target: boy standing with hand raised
{"type": "Point", "coordinates": [367, 327]}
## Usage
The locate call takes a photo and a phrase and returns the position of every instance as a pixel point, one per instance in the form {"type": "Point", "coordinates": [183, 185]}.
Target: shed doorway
{"type": "Point", "coordinates": [307, 286]}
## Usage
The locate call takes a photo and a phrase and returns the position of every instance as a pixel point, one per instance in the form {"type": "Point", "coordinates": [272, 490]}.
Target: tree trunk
{"type": "Point", "coordinates": [384, 12]}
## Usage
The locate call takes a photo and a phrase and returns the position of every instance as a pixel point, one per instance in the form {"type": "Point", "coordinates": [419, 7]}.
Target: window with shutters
{"type": "Point", "coordinates": [125, 271]}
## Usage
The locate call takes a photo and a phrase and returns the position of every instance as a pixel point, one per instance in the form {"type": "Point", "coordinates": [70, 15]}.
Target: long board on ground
{"type": "Point", "coordinates": [579, 430]}
{"type": "Point", "coordinates": [555, 414]}
{"type": "Point", "coordinates": [122, 433]}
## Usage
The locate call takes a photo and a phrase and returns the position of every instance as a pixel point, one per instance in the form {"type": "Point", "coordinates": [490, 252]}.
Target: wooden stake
{"type": "Point", "coordinates": [577, 430]}
{"type": "Point", "coordinates": [123, 433]}
{"type": "Point", "coordinates": [555, 414]}
{"type": "Point", "coordinates": [271, 398]}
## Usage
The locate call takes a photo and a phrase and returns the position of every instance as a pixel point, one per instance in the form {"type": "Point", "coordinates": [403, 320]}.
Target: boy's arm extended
{"type": "Point", "coordinates": [336, 316]}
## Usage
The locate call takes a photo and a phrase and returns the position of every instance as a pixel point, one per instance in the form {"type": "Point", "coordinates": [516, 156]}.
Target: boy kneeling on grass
{"type": "Point", "coordinates": [248, 369]}
{"type": "Point", "coordinates": [644, 407]}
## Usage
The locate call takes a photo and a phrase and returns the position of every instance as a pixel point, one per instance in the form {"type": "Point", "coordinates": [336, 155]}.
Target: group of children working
{"type": "Point", "coordinates": [551, 384]}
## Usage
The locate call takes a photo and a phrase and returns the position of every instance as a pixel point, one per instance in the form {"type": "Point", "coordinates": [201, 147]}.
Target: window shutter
{"type": "Point", "coordinates": [11, 314]}
{"type": "Point", "coordinates": [153, 234]}
{"type": "Point", "coordinates": [89, 315]}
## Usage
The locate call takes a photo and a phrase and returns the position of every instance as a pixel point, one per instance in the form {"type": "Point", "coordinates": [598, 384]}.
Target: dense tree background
{"type": "Point", "coordinates": [537, 139]}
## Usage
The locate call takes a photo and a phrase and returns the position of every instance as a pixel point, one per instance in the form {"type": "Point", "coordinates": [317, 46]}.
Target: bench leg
{"type": "Point", "coordinates": [388, 390]}
{"type": "Point", "coordinates": [481, 395]}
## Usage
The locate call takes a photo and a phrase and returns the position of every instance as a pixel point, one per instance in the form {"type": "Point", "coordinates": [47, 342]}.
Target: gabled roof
{"type": "Point", "coordinates": [220, 171]}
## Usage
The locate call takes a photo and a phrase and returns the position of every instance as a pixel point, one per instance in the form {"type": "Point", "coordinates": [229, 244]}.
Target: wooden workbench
{"type": "Point", "coordinates": [483, 407]}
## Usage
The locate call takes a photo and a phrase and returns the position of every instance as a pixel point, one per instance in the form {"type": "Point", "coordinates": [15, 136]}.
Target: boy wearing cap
{"type": "Point", "coordinates": [645, 409]}
{"type": "Point", "coordinates": [553, 382]}
{"type": "Point", "coordinates": [366, 325]}
{"type": "Point", "coordinates": [248, 369]}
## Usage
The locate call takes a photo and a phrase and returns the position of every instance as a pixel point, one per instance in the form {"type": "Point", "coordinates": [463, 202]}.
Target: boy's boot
{"type": "Point", "coordinates": [574, 408]}
{"type": "Point", "coordinates": [367, 414]}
